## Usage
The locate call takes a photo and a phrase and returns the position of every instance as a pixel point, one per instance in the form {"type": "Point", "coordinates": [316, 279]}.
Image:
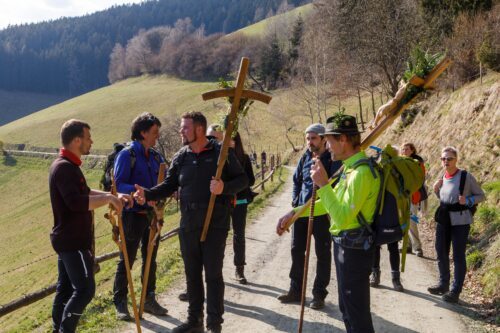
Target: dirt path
{"type": "Point", "coordinates": [254, 308]}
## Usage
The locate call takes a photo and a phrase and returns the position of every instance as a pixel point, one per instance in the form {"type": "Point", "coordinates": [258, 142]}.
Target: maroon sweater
{"type": "Point", "coordinates": [69, 195]}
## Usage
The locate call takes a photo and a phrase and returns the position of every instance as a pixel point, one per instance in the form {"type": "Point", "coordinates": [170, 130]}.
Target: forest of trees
{"type": "Point", "coordinates": [71, 55]}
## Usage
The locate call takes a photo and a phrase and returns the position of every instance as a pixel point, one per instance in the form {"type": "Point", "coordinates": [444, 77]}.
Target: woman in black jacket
{"type": "Point", "coordinates": [239, 214]}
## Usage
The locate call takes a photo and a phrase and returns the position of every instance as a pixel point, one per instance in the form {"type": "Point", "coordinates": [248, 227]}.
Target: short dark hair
{"type": "Point", "coordinates": [353, 139]}
{"type": "Point", "coordinates": [197, 117]}
{"type": "Point", "coordinates": [411, 145]}
{"type": "Point", "coordinates": [143, 122]}
{"type": "Point", "coordinates": [71, 129]}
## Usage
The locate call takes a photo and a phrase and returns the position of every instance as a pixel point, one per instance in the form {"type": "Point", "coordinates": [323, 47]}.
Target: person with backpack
{"type": "Point", "coordinates": [302, 191]}
{"type": "Point", "coordinates": [408, 149]}
{"type": "Point", "coordinates": [138, 163]}
{"type": "Point", "coordinates": [352, 199]}
{"type": "Point", "coordinates": [458, 193]}
{"type": "Point", "coordinates": [72, 234]}
{"type": "Point", "coordinates": [192, 172]}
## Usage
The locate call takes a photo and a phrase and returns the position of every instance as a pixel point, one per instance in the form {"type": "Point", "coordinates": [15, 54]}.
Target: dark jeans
{"type": "Point", "coordinates": [446, 235]}
{"type": "Point", "coordinates": [208, 256]}
{"type": "Point", "coordinates": [323, 247]}
{"type": "Point", "coordinates": [393, 257]}
{"type": "Point", "coordinates": [136, 228]}
{"type": "Point", "coordinates": [239, 220]}
{"type": "Point", "coordinates": [353, 269]}
{"type": "Point", "coordinates": [75, 289]}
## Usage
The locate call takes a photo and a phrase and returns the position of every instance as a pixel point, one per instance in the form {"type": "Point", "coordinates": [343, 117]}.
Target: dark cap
{"type": "Point", "coordinates": [341, 123]}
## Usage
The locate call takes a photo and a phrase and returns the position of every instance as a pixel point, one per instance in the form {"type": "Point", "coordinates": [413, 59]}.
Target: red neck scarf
{"type": "Point", "coordinates": [70, 156]}
{"type": "Point", "coordinates": [448, 176]}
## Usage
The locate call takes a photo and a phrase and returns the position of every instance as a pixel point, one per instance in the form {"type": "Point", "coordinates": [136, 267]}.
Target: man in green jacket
{"type": "Point", "coordinates": [353, 198]}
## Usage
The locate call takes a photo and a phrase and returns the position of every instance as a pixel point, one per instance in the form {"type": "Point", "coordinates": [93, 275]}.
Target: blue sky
{"type": "Point", "coordinates": [29, 11]}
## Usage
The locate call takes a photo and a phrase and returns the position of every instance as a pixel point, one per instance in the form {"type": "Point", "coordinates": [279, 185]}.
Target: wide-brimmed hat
{"type": "Point", "coordinates": [341, 124]}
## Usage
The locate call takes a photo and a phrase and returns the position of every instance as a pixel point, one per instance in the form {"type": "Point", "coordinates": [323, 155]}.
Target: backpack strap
{"type": "Point", "coordinates": [463, 176]}
{"type": "Point", "coordinates": [133, 157]}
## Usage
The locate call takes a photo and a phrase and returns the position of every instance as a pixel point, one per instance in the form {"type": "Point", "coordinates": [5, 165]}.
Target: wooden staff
{"type": "Point", "coordinates": [306, 259]}
{"type": "Point", "coordinates": [154, 232]}
{"type": "Point", "coordinates": [117, 223]}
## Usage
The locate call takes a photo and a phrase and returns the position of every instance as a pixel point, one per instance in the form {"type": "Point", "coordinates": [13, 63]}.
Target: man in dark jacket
{"type": "Point", "coordinates": [192, 170]}
{"type": "Point", "coordinates": [139, 164]}
{"type": "Point", "coordinates": [302, 190]}
{"type": "Point", "coordinates": [72, 237]}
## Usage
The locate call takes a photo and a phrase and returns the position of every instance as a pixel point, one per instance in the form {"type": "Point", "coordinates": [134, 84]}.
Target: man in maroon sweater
{"type": "Point", "coordinates": [72, 202]}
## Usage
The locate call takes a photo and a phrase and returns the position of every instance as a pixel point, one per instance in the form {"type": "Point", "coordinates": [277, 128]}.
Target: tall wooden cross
{"type": "Point", "coordinates": [236, 93]}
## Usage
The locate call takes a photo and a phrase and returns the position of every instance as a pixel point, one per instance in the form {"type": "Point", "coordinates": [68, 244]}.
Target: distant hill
{"type": "Point", "coordinates": [71, 55]}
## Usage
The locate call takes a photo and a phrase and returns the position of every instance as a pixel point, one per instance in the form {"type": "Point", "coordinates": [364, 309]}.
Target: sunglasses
{"type": "Point", "coordinates": [447, 159]}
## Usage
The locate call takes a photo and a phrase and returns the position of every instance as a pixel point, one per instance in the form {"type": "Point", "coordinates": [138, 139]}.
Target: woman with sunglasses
{"type": "Point", "coordinates": [453, 218]}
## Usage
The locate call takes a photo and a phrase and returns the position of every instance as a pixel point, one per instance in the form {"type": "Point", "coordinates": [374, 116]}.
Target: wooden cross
{"type": "Point", "coordinates": [236, 93]}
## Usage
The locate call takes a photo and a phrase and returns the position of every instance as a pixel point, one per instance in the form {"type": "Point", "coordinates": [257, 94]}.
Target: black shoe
{"type": "Point", "coordinates": [153, 307]}
{"type": "Point", "coordinates": [289, 297]}
{"type": "Point", "coordinates": [438, 289]}
{"type": "Point", "coordinates": [189, 327]}
{"type": "Point", "coordinates": [396, 283]}
{"type": "Point", "coordinates": [214, 328]}
{"type": "Point", "coordinates": [239, 274]}
{"type": "Point", "coordinates": [184, 296]}
{"type": "Point", "coordinates": [122, 311]}
{"type": "Point", "coordinates": [375, 279]}
{"type": "Point", "coordinates": [420, 253]}
{"type": "Point", "coordinates": [317, 303]}
{"type": "Point", "coordinates": [450, 297]}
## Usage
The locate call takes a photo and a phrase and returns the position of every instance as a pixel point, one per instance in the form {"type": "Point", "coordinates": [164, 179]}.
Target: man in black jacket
{"type": "Point", "coordinates": [192, 171]}
{"type": "Point", "coordinates": [71, 237]}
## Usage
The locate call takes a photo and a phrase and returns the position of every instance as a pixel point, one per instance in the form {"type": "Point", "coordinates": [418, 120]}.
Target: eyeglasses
{"type": "Point", "coordinates": [447, 159]}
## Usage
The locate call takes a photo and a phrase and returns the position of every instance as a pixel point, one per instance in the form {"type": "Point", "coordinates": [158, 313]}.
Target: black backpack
{"type": "Point", "coordinates": [463, 177]}
{"type": "Point", "coordinates": [106, 178]}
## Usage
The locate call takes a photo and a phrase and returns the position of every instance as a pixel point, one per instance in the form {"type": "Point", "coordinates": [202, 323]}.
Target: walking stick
{"type": "Point", "coordinates": [403, 251]}
{"type": "Point", "coordinates": [119, 238]}
{"type": "Point", "coordinates": [306, 259]}
{"type": "Point", "coordinates": [154, 233]}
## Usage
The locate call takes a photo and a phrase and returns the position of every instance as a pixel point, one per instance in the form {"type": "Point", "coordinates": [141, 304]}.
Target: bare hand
{"type": "Point", "coordinates": [283, 221]}
{"type": "Point", "coordinates": [216, 186]}
{"type": "Point", "coordinates": [139, 195]}
{"type": "Point", "coordinates": [437, 185]}
{"type": "Point", "coordinates": [461, 199]}
{"type": "Point", "coordinates": [318, 173]}
{"type": "Point", "coordinates": [126, 200]}
{"type": "Point", "coordinates": [116, 203]}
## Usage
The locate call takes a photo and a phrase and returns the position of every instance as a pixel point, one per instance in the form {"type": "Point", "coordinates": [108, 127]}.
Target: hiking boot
{"type": "Point", "coordinates": [438, 289]}
{"type": "Point", "coordinates": [189, 327]}
{"type": "Point", "coordinates": [396, 282]}
{"type": "Point", "coordinates": [184, 296]}
{"type": "Point", "coordinates": [239, 274]}
{"type": "Point", "coordinates": [217, 328]}
{"type": "Point", "coordinates": [420, 253]}
{"type": "Point", "coordinates": [289, 297]}
{"type": "Point", "coordinates": [317, 303]}
{"type": "Point", "coordinates": [375, 278]}
{"type": "Point", "coordinates": [153, 307]}
{"type": "Point", "coordinates": [450, 297]}
{"type": "Point", "coordinates": [122, 311]}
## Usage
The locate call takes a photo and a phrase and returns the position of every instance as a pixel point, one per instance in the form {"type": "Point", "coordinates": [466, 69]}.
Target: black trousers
{"type": "Point", "coordinates": [75, 289]}
{"type": "Point", "coordinates": [208, 256]}
{"type": "Point", "coordinates": [136, 228]}
{"type": "Point", "coordinates": [446, 235]}
{"type": "Point", "coordinates": [353, 269]}
{"type": "Point", "coordinates": [393, 257]}
{"type": "Point", "coordinates": [239, 221]}
{"type": "Point", "coordinates": [323, 247]}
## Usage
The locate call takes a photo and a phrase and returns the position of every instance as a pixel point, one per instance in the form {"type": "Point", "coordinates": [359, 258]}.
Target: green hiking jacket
{"type": "Point", "coordinates": [356, 191]}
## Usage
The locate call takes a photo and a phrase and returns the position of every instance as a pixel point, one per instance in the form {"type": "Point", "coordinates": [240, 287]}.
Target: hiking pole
{"type": "Point", "coordinates": [117, 223]}
{"type": "Point", "coordinates": [154, 233]}
{"type": "Point", "coordinates": [403, 251]}
{"type": "Point", "coordinates": [306, 259]}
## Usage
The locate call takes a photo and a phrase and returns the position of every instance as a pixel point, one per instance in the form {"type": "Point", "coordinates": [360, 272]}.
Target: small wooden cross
{"type": "Point", "coordinates": [237, 93]}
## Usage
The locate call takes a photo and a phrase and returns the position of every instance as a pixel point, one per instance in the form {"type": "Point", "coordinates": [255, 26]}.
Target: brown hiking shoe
{"type": "Point", "coordinates": [289, 297]}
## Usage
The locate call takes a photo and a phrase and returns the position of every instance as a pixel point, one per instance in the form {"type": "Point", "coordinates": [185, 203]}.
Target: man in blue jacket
{"type": "Point", "coordinates": [139, 164]}
{"type": "Point", "coordinates": [302, 191]}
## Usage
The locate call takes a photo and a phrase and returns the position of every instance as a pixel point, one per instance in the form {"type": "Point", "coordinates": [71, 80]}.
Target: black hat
{"type": "Point", "coordinates": [341, 123]}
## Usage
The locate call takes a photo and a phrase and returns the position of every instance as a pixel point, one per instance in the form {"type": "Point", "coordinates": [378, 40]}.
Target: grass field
{"type": "Point", "coordinates": [28, 262]}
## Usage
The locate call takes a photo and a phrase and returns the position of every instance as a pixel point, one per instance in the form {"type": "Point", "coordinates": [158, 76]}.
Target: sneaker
{"type": "Point", "coordinates": [317, 303]}
{"type": "Point", "coordinates": [375, 279]}
{"type": "Point", "coordinates": [189, 327]}
{"type": "Point", "coordinates": [420, 253]}
{"type": "Point", "coordinates": [184, 296]}
{"type": "Point", "coordinates": [450, 297]}
{"type": "Point", "coordinates": [122, 311]}
{"type": "Point", "coordinates": [239, 275]}
{"type": "Point", "coordinates": [214, 328]}
{"type": "Point", "coordinates": [438, 289]}
{"type": "Point", "coordinates": [396, 283]}
{"type": "Point", "coordinates": [153, 307]}
{"type": "Point", "coordinates": [289, 297]}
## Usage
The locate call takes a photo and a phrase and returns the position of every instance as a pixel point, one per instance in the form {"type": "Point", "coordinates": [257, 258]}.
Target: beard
{"type": "Point", "coordinates": [185, 140]}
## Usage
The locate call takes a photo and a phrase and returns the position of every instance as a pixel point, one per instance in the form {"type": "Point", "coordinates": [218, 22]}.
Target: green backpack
{"type": "Point", "coordinates": [400, 177]}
